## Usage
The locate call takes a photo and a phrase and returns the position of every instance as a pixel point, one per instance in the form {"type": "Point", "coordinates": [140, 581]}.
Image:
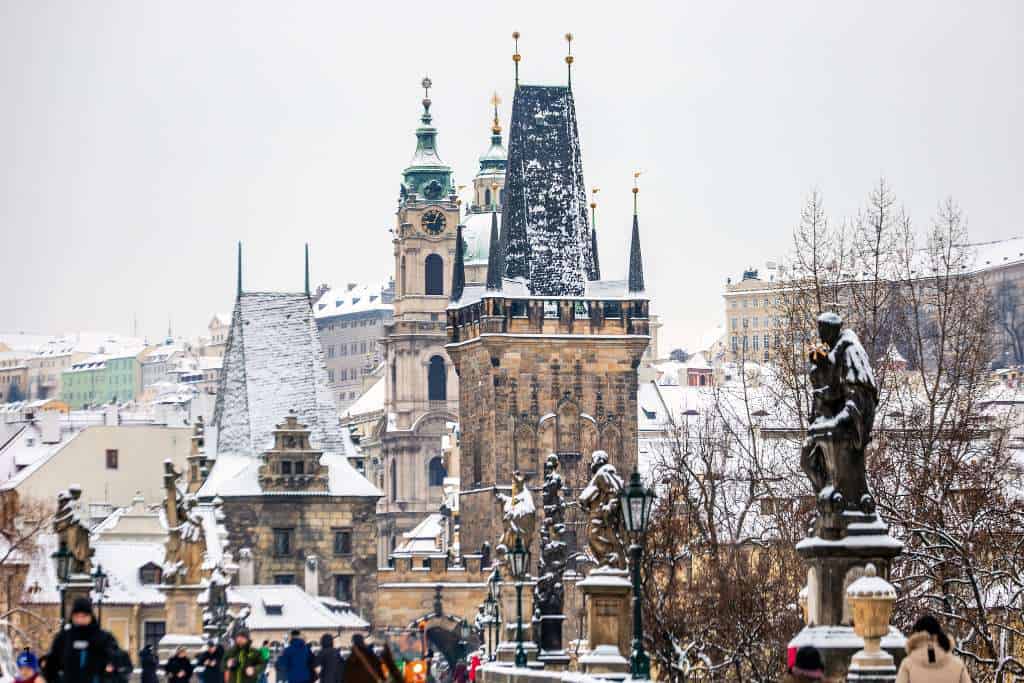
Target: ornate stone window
{"type": "Point", "coordinates": [436, 472]}
{"type": "Point", "coordinates": [437, 380]}
{"type": "Point", "coordinates": [433, 270]}
{"type": "Point", "coordinates": [283, 542]}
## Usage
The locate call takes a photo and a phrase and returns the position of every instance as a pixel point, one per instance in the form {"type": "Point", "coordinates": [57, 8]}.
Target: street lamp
{"type": "Point", "coordinates": [518, 556]}
{"type": "Point", "coordinates": [493, 595]}
{"type": "Point", "coordinates": [636, 511]}
{"type": "Point", "coordinates": [100, 581]}
{"type": "Point", "coordinates": [464, 634]}
{"type": "Point", "coordinates": [62, 563]}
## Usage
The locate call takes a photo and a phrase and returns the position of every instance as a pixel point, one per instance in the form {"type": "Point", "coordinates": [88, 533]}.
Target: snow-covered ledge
{"type": "Point", "coordinates": [494, 672]}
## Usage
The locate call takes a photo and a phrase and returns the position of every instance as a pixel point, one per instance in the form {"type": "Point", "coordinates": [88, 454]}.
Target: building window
{"type": "Point", "coordinates": [343, 587]}
{"type": "Point", "coordinates": [152, 632]}
{"type": "Point", "coordinates": [487, 198]}
{"type": "Point", "coordinates": [282, 542]}
{"type": "Point", "coordinates": [150, 574]}
{"type": "Point", "coordinates": [111, 458]}
{"type": "Point", "coordinates": [436, 472]}
{"type": "Point", "coordinates": [394, 481]}
{"type": "Point", "coordinates": [299, 467]}
{"type": "Point", "coordinates": [437, 380]}
{"type": "Point", "coordinates": [286, 467]}
{"type": "Point", "coordinates": [342, 541]}
{"type": "Point", "coordinates": [434, 274]}
{"type": "Point", "coordinates": [284, 579]}
{"type": "Point", "coordinates": [330, 375]}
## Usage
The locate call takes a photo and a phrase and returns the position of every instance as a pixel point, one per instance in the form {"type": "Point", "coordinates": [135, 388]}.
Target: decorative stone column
{"type": "Point", "coordinates": [871, 598]}
{"type": "Point", "coordinates": [607, 592]}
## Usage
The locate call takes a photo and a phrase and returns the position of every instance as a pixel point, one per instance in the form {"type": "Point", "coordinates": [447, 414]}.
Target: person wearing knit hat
{"type": "Point", "coordinates": [81, 652]}
{"type": "Point", "coordinates": [808, 666]}
{"type": "Point", "coordinates": [243, 663]}
{"type": "Point", "coordinates": [28, 667]}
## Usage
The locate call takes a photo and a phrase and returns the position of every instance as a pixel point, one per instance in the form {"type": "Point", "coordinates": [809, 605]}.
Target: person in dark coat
{"type": "Point", "coordinates": [210, 659]}
{"type": "Point", "coordinates": [122, 672]}
{"type": "Point", "coordinates": [807, 667]}
{"type": "Point", "coordinates": [179, 667]}
{"type": "Point", "coordinates": [330, 665]}
{"type": "Point", "coordinates": [81, 652]}
{"type": "Point", "coordinates": [149, 663]}
{"type": "Point", "coordinates": [297, 660]}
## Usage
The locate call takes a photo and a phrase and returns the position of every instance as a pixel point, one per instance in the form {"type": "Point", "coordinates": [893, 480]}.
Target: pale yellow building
{"type": "Point", "coordinates": [753, 316]}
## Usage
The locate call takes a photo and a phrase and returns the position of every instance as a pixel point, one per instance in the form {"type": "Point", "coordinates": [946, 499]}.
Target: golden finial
{"type": "Point", "coordinates": [495, 101]}
{"type": "Point", "coordinates": [593, 197]}
{"type": "Point", "coordinates": [516, 56]}
{"type": "Point", "coordinates": [636, 188]}
{"type": "Point", "coordinates": [568, 57]}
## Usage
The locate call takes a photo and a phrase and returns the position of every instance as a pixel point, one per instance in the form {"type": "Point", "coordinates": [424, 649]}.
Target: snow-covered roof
{"type": "Point", "coordinates": [274, 364]}
{"type": "Point", "coordinates": [291, 608]}
{"type": "Point", "coordinates": [544, 201]}
{"type": "Point", "coordinates": [352, 298]}
{"type": "Point", "coordinates": [425, 537]}
{"type": "Point", "coordinates": [371, 400]}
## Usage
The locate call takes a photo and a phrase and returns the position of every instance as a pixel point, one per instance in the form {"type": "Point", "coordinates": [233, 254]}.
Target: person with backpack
{"type": "Point", "coordinates": [929, 656]}
{"type": "Point", "coordinates": [81, 652]}
{"type": "Point", "coordinates": [330, 665]}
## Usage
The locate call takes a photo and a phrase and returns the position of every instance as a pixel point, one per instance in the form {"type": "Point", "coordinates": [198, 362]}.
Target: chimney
{"type": "Point", "coordinates": [49, 426]}
{"type": "Point", "coordinates": [246, 568]}
{"type": "Point", "coordinates": [312, 579]}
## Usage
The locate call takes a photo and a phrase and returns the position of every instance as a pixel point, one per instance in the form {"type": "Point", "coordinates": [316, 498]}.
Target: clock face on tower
{"type": "Point", "coordinates": [433, 222]}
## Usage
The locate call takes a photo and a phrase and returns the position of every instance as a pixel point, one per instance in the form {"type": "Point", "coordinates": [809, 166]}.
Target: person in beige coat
{"type": "Point", "coordinates": [929, 659]}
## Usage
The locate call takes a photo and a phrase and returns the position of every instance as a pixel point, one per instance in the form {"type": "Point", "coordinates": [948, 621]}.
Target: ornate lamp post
{"type": "Point", "coordinates": [518, 556]}
{"type": "Point", "coordinates": [62, 563]}
{"type": "Point", "coordinates": [494, 621]}
{"type": "Point", "coordinates": [464, 633]}
{"type": "Point", "coordinates": [100, 582]}
{"type": "Point", "coordinates": [636, 503]}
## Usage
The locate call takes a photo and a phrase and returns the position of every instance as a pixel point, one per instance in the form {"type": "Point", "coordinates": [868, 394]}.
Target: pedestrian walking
{"type": "Point", "coordinates": [210, 659]}
{"type": "Point", "coordinates": [179, 667]}
{"type": "Point", "coordinates": [807, 667]}
{"type": "Point", "coordinates": [297, 660]}
{"type": "Point", "coordinates": [265, 652]}
{"type": "Point", "coordinates": [122, 668]}
{"type": "Point", "coordinates": [149, 663]}
{"type": "Point", "coordinates": [82, 652]}
{"type": "Point", "coordinates": [243, 663]}
{"type": "Point", "coordinates": [330, 665]}
{"type": "Point", "coordinates": [28, 667]}
{"type": "Point", "coordinates": [929, 656]}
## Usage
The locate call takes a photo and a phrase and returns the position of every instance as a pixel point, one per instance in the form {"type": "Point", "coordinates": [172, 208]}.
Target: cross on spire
{"type": "Point", "coordinates": [495, 101]}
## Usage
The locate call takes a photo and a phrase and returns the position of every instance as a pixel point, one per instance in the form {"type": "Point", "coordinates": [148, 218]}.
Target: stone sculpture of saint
{"type": "Point", "coordinates": [519, 515]}
{"type": "Point", "coordinates": [842, 416]}
{"type": "Point", "coordinates": [600, 500]}
{"type": "Point", "coordinates": [71, 532]}
{"type": "Point", "coordinates": [185, 549]}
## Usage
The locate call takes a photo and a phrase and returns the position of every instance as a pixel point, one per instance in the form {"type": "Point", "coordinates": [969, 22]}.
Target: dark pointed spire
{"type": "Point", "coordinates": [568, 57]}
{"type": "Point", "coordinates": [595, 269]}
{"type": "Point", "coordinates": [307, 270]}
{"type": "Point", "coordinates": [636, 260]}
{"type": "Point", "coordinates": [239, 289]}
{"type": "Point", "coordinates": [459, 270]}
{"type": "Point", "coordinates": [495, 256]}
{"type": "Point", "coordinates": [516, 56]}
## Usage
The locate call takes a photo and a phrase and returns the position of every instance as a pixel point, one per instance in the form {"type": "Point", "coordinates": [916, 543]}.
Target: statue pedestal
{"type": "Point", "coordinates": [507, 646]}
{"type": "Point", "coordinates": [184, 617]}
{"type": "Point", "coordinates": [607, 593]}
{"type": "Point", "coordinates": [872, 666]}
{"type": "Point", "coordinates": [78, 586]}
{"type": "Point", "coordinates": [852, 540]}
{"type": "Point", "coordinates": [552, 654]}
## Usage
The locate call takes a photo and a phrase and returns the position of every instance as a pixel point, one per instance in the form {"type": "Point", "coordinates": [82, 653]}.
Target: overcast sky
{"type": "Point", "coordinates": [140, 140]}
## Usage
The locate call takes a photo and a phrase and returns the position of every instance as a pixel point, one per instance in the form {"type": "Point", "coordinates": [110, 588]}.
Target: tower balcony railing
{"type": "Point", "coordinates": [548, 316]}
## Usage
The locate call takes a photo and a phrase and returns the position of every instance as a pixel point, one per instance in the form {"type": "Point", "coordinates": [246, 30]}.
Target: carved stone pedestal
{"type": "Point", "coordinates": [552, 654]}
{"type": "Point", "coordinates": [837, 555]}
{"type": "Point", "coordinates": [507, 646]}
{"type": "Point", "coordinates": [78, 586]}
{"type": "Point", "coordinates": [184, 618]}
{"type": "Point", "coordinates": [607, 594]}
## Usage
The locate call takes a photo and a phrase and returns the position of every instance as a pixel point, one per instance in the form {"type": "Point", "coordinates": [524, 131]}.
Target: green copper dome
{"type": "Point", "coordinates": [427, 175]}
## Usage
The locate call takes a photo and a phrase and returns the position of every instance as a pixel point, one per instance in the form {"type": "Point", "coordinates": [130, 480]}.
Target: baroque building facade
{"type": "Point", "coordinates": [420, 394]}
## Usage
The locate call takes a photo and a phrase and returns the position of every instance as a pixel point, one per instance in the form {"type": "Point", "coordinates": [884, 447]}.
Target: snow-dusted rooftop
{"type": "Point", "coordinates": [353, 298]}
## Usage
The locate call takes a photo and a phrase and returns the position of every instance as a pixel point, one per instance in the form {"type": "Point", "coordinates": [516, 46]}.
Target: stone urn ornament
{"type": "Point", "coordinates": [871, 599]}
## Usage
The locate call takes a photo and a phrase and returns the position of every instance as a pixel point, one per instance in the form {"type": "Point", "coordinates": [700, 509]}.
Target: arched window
{"type": "Point", "coordinates": [487, 198]}
{"type": "Point", "coordinates": [436, 472]}
{"type": "Point", "coordinates": [434, 272]}
{"type": "Point", "coordinates": [437, 380]}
